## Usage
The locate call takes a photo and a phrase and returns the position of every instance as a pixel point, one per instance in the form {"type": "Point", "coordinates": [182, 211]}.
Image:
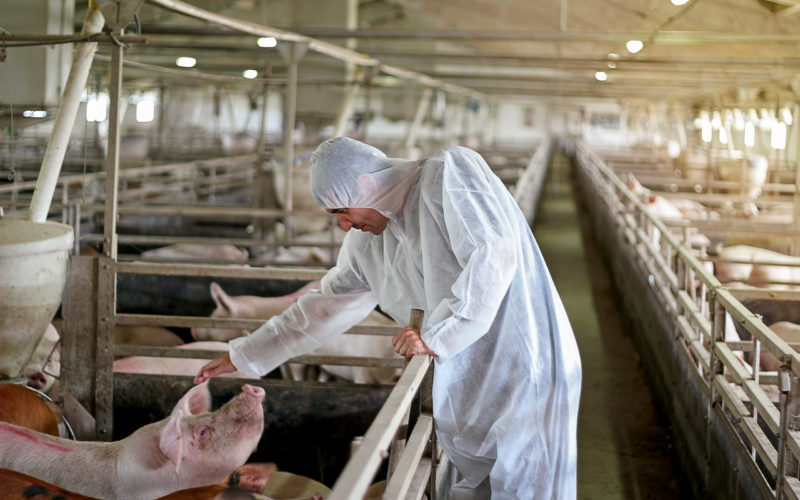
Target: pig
{"type": "Point", "coordinates": [299, 255]}
{"type": "Point", "coordinates": [44, 366]}
{"type": "Point", "coordinates": [245, 306]}
{"type": "Point", "coordinates": [755, 176]}
{"type": "Point", "coordinates": [192, 251]}
{"type": "Point", "coordinates": [173, 366]}
{"type": "Point", "coordinates": [22, 406]}
{"type": "Point", "coordinates": [761, 275]}
{"type": "Point", "coordinates": [672, 209]}
{"type": "Point", "coordinates": [16, 486]}
{"type": "Point", "coordinates": [789, 332]}
{"type": "Point", "coordinates": [146, 335]}
{"type": "Point", "coordinates": [192, 447]}
{"type": "Point", "coordinates": [45, 363]}
{"type": "Point", "coordinates": [251, 307]}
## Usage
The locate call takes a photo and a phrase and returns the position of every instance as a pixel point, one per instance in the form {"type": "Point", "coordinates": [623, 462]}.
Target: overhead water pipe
{"type": "Point", "coordinates": [65, 117]}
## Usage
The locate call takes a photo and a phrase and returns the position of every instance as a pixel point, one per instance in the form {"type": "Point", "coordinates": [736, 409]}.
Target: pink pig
{"type": "Point", "coordinates": [191, 447]}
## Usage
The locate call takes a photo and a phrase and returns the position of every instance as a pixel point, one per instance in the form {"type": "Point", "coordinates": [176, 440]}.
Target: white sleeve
{"type": "Point", "coordinates": [317, 318]}
{"type": "Point", "coordinates": [484, 240]}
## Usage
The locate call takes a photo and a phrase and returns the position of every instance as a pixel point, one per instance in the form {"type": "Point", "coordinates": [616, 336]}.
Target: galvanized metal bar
{"type": "Point", "coordinates": [399, 484]}
{"type": "Point", "coordinates": [112, 157]}
{"type": "Point", "coordinates": [784, 385]}
{"type": "Point", "coordinates": [759, 441]}
{"type": "Point", "coordinates": [416, 123]}
{"type": "Point", "coordinates": [309, 359]}
{"type": "Point", "coordinates": [356, 476]}
{"type": "Point", "coordinates": [223, 271]}
{"type": "Point", "coordinates": [232, 323]}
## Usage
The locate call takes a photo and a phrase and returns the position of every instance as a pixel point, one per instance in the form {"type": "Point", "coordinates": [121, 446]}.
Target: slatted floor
{"type": "Point", "coordinates": [623, 449]}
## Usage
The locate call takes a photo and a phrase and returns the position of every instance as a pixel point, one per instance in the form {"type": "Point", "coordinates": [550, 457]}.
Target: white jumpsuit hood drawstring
{"type": "Point", "coordinates": [507, 377]}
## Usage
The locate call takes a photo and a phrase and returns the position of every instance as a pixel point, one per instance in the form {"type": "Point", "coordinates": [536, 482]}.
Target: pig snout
{"type": "Point", "coordinates": [255, 391]}
{"type": "Point", "coordinates": [247, 407]}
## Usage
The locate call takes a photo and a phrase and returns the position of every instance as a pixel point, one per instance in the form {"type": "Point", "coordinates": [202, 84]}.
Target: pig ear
{"type": "Point", "coordinates": [222, 299]}
{"type": "Point", "coordinates": [171, 441]}
{"type": "Point", "coordinates": [197, 400]}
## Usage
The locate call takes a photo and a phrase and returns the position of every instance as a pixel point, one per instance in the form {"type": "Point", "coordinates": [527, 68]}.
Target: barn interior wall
{"type": "Point", "coordinates": [35, 76]}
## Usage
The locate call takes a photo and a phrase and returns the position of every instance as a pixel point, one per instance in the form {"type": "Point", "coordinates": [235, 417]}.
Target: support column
{"type": "Point", "coordinates": [261, 184]}
{"type": "Point", "coordinates": [292, 53]}
{"type": "Point", "coordinates": [416, 124]}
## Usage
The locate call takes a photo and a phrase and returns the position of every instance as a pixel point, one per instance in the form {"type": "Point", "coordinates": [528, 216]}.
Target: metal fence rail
{"type": "Point", "coordinates": [754, 407]}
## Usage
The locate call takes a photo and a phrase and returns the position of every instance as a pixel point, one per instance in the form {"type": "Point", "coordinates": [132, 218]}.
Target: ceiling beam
{"type": "Point", "coordinates": [667, 36]}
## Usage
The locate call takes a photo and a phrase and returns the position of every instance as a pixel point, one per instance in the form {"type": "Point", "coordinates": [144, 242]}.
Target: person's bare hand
{"type": "Point", "coordinates": [214, 368]}
{"type": "Point", "coordinates": [409, 342]}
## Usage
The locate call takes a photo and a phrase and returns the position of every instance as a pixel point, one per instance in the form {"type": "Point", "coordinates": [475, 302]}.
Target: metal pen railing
{"type": "Point", "coordinates": [740, 398]}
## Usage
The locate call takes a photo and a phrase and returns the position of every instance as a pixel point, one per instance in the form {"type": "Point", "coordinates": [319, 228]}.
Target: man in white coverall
{"type": "Point", "coordinates": [444, 235]}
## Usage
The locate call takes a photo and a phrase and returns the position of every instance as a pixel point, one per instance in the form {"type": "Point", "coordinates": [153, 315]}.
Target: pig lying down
{"type": "Point", "coordinates": [192, 447]}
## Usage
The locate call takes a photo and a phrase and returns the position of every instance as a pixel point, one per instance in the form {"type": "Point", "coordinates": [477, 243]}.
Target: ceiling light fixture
{"type": "Point", "coordinates": [634, 46]}
{"type": "Point", "coordinates": [186, 62]}
{"type": "Point", "coordinates": [601, 76]}
{"type": "Point", "coordinates": [679, 2]}
{"type": "Point", "coordinates": [267, 42]}
{"type": "Point", "coordinates": [249, 74]}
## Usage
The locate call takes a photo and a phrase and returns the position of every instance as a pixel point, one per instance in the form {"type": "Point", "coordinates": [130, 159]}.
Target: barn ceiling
{"type": "Point", "coordinates": [705, 50]}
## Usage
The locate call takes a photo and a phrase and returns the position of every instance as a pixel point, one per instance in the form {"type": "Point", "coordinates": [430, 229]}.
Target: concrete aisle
{"type": "Point", "coordinates": [623, 450]}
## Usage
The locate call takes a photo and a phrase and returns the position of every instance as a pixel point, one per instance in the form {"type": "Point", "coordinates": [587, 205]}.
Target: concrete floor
{"type": "Point", "coordinates": [623, 450]}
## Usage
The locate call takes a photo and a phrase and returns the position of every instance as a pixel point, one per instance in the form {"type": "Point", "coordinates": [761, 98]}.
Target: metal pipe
{"type": "Point", "coordinates": [346, 110]}
{"type": "Point", "coordinates": [82, 37]}
{"type": "Point", "coordinates": [332, 50]}
{"type": "Point", "coordinates": [784, 385]}
{"type": "Point", "coordinates": [292, 56]}
{"type": "Point", "coordinates": [112, 157]}
{"type": "Point", "coordinates": [65, 118]}
{"type": "Point", "coordinates": [413, 129]}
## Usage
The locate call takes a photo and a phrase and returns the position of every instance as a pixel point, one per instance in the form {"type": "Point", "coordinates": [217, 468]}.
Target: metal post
{"type": "Point", "coordinates": [413, 129]}
{"type": "Point", "coordinates": [784, 385]}
{"type": "Point", "coordinates": [292, 53]}
{"type": "Point", "coordinates": [346, 110]}
{"type": "Point", "coordinates": [368, 104]}
{"type": "Point", "coordinates": [261, 185]}
{"type": "Point", "coordinates": [716, 368]}
{"type": "Point", "coordinates": [162, 113]}
{"type": "Point", "coordinates": [106, 277]}
{"type": "Point", "coordinates": [349, 74]}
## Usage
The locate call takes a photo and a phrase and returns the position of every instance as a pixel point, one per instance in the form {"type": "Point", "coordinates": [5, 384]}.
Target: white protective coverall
{"type": "Point", "coordinates": [507, 377]}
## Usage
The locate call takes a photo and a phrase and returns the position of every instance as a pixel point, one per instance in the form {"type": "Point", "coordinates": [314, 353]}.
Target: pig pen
{"type": "Point", "coordinates": [310, 425]}
{"type": "Point", "coordinates": [732, 427]}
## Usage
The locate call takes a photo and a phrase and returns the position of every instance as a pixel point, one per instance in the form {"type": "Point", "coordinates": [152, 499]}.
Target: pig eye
{"type": "Point", "coordinates": [203, 434]}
